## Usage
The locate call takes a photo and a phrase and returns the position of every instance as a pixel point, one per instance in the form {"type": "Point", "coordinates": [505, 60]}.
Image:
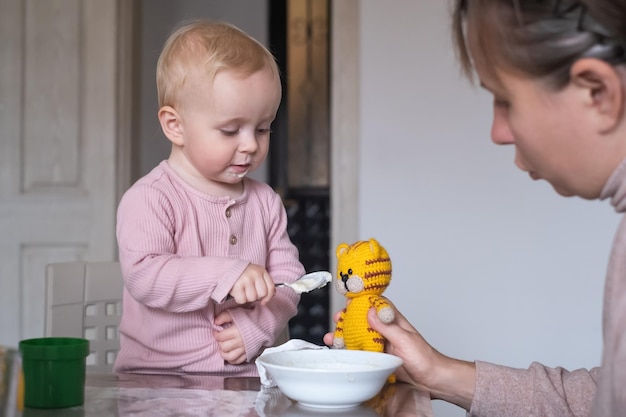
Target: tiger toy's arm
{"type": "Point", "coordinates": [338, 341]}
{"type": "Point", "coordinates": [383, 308]}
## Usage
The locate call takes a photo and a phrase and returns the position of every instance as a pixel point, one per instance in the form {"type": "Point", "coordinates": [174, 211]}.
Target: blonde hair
{"type": "Point", "coordinates": [207, 47]}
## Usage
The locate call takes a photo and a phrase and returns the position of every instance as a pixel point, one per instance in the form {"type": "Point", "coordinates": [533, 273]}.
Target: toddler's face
{"type": "Point", "coordinates": [226, 126]}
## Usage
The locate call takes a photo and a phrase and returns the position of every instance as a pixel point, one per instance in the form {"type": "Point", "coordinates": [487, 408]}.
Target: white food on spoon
{"type": "Point", "coordinates": [309, 282]}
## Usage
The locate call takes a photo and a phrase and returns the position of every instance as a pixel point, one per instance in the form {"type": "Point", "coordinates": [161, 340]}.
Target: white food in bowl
{"type": "Point", "coordinates": [329, 378]}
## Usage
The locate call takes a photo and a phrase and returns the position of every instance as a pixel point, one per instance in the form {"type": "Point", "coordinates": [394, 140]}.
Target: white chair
{"type": "Point", "coordinates": [84, 299]}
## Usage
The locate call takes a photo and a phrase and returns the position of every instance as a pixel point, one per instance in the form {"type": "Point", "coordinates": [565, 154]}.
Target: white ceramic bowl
{"type": "Point", "coordinates": [329, 378]}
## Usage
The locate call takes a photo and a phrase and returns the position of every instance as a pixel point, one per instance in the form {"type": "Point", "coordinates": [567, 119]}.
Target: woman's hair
{"type": "Point", "coordinates": [538, 38]}
{"type": "Point", "coordinates": [204, 48]}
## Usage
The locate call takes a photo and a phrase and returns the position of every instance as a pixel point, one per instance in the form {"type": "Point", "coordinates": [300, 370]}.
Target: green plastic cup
{"type": "Point", "coordinates": [54, 371]}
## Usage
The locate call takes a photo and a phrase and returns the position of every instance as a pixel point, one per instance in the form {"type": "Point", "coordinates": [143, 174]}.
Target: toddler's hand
{"type": "Point", "coordinates": [254, 284]}
{"type": "Point", "coordinates": [229, 339]}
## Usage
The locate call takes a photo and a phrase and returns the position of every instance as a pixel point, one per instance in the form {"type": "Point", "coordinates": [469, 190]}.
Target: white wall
{"type": "Point", "coordinates": [486, 263]}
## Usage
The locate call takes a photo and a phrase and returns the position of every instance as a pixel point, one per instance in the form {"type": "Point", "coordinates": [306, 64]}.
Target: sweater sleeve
{"type": "Point", "coordinates": [154, 274]}
{"type": "Point", "coordinates": [260, 325]}
{"type": "Point", "coordinates": [536, 391]}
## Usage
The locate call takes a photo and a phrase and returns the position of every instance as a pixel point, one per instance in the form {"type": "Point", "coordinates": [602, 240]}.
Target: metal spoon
{"type": "Point", "coordinates": [308, 282]}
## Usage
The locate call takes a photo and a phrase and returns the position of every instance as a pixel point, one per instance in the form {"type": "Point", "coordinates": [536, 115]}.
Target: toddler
{"type": "Point", "coordinates": [201, 244]}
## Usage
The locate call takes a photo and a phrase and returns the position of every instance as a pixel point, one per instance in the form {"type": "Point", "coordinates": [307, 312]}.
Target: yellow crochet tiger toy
{"type": "Point", "coordinates": [363, 274]}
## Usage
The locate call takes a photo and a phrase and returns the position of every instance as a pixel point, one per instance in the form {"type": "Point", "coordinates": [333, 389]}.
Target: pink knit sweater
{"type": "Point", "coordinates": [542, 391]}
{"type": "Point", "coordinates": [181, 251]}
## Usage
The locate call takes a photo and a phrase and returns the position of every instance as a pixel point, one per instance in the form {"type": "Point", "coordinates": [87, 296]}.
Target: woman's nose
{"type": "Point", "coordinates": [500, 129]}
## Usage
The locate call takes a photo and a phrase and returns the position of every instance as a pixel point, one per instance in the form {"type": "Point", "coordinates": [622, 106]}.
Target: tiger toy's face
{"type": "Point", "coordinates": [363, 268]}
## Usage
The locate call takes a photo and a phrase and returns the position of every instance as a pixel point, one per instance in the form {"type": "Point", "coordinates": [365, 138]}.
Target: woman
{"type": "Point", "coordinates": [557, 72]}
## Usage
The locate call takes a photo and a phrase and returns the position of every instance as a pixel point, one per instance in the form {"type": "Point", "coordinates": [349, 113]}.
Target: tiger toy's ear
{"type": "Point", "coordinates": [341, 249]}
{"type": "Point", "coordinates": [377, 249]}
{"type": "Point", "coordinates": [374, 246]}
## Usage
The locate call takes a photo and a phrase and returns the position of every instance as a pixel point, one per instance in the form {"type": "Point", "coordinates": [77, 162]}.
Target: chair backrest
{"type": "Point", "coordinates": [84, 299]}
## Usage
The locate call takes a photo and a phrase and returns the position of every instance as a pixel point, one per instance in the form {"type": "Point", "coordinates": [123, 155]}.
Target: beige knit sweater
{"type": "Point", "coordinates": [543, 391]}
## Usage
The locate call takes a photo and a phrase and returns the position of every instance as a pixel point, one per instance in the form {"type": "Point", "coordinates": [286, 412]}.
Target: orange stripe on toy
{"type": "Point", "coordinates": [374, 286]}
{"type": "Point", "coordinates": [377, 260]}
{"type": "Point", "coordinates": [369, 275]}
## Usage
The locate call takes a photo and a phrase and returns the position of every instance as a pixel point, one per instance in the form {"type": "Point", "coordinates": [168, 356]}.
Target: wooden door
{"type": "Point", "coordinates": [61, 164]}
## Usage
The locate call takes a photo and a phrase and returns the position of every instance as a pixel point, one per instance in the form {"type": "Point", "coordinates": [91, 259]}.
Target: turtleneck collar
{"type": "Point", "coordinates": [615, 188]}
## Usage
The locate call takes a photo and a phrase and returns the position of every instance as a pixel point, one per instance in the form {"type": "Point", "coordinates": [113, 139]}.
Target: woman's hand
{"type": "Point", "coordinates": [443, 377]}
{"type": "Point", "coordinates": [330, 337]}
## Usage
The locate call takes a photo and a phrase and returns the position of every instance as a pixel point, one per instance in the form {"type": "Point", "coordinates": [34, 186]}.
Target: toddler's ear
{"type": "Point", "coordinates": [171, 125]}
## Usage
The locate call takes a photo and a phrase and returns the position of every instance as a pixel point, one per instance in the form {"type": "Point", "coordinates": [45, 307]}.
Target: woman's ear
{"type": "Point", "coordinates": [171, 124]}
{"type": "Point", "coordinates": [603, 89]}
